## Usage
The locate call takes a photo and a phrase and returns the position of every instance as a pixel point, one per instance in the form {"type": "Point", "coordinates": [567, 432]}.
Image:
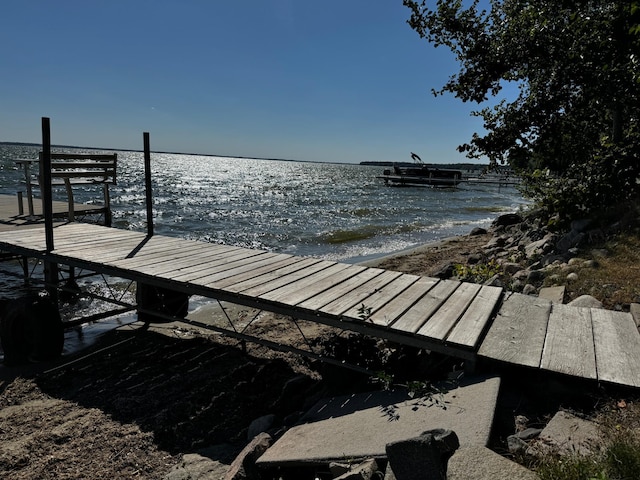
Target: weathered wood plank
{"type": "Point", "coordinates": [471, 326]}
{"type": "Point", "coordinates": [174, 262]}
{"type": "Point", "coordinates": [172, 253]}
{"type": "Point", "coordinates": [569, 345]}
{"type": "Point", "coordinates": [218, 260]}
{"type": "Point", "coordinates": [104, 244]}
{"type": "Point", "coordinates": [517, 334]}
{"type": "Point", "coordinates": [341, 288]}
{"type": "Point", "coordinates": [101, 252]}
{"type": "Point", "coordinates": [287, 279]}
{"type": "Point", "coordinates": [242, 282]}
{"type": "Point", "coordinates": [382, 296]}
{"type": "Point", "coordinates": [198, 257]}
{"type": "Point", "coordinates": [363, 294]}
{"type": "Point", "coordinates": [78, 238]}
{"type": "Point", "coordinates": [220, 263]}
{"type": "Point", "coordinates": [111, 252]}
{"type": "Point", "coordinates": [159, 248]}
{"type": "Point", "coordinates": [80, 242]}
{"type": "Point", "coordinates": [414, 318]}
{"type": "Point", "coordinates": [389, 313]}
{"type": "Point", "coordinates": [304, 288]}
{"type": "Point", "coordinates": [239, 267]}
{"type": "Point", "coordinates": [617, 345]}
{"type": "Point", "coordinates": [441, 323]}
{"type": "Point", "coordinates": [261, 274]}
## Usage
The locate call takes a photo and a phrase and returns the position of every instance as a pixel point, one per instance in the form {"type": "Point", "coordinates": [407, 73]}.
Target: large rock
{"type": "Point", "coordinates": [244, 466]}
{"type": "Point", "coordinates": [480, 463]}
{"type": "Point", "coordinates": [507, 219]}
{"type": "Point", "coordinates": [586, 301]}
{"type": "Point", "coordinates": [196, 467]}
{"type": "Point", "coordinates": [423, 457]}
{"type": "Point", "coordinates": [260, 425]}
{"type": "Point", "coordinates": [567, 434]}
{"type": "Point", "coordinates": [363, 471]}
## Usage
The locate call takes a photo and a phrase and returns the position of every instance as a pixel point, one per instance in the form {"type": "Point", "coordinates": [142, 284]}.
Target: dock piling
{"type": "Point", "coordinates": [50, 268]}
{"type": "Point", "coordinates": [147, 183]}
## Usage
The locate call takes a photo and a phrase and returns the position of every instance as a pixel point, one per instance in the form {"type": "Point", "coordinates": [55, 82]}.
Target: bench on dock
{"type": "Point", "coordinates": [75, 169]}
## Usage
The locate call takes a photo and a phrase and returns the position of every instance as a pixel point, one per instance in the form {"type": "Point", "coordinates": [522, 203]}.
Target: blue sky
{"type": "Point", "coordinates": [336, 80]}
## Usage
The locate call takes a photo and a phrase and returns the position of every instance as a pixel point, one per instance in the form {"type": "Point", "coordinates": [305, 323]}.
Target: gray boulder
{"type": "Point", "coordinates": [244, 466]}
{"type": "Point", "coordinates": [422, 457]}
{"type": "Point", "coordinates": [586, 301]}
{"type": "Point", "coordinates": [364, 471]}
{"type": "Point", "coordinates": [260, 425]}
{"type": "Point", "coordinates": [507, 219]}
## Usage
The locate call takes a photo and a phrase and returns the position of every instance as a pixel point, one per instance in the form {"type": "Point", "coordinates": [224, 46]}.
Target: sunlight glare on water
{"type": "Point", "coordinates": [333, 211]}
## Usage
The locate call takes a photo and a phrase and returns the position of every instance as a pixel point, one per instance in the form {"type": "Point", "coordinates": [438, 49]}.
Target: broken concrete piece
{"type": "Point", "coordinates": [360, 426]}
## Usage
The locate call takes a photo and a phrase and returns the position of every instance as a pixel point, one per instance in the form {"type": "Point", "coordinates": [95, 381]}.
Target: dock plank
{"type": "Point", "coordinates": [617, 345]}
{"type": "Point", "coordinates": [257, 277]}
{"type": "Point", "coordinates": [518, 332]}
{"type": "Point", "coordinates": [222, 263]}
{"type": "Point", "coordinates": [247, 264]}
{"type": "Point", "coordinates": [185, 255]}
{"type": "Point", "coordinates": [218, 260]}
{"type": "Point", "coordinates": [391, 311]}
{"type": "Point", "coordinates": [414, 318]}
{"type": "Point", "coordinates": [569, 345]}
{"type": "Point", "coordinates": [381, 297]}
{"type": "Point", "coordinates": [342, 288]}
{"type": "Point", "coordinates": [101, 252]}
{"type": "Point", "coordinates": [304, 288]}
{"type": "Point", "coordinates": [439, 325]}
{"type": "Point", "coordinates": [156, 249]}
{"type": "Point", "coordinates": [107, 254]}
{"type": "Point", "coordinates": [364, 294]}
{"type": "Point", "coordinates": [289, 278]}
{"type": "Point", "coordinates": [467, 332]}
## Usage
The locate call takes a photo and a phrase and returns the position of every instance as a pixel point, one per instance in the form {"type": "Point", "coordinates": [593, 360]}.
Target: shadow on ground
{"type": "Point", "coordinates": [190, 393]}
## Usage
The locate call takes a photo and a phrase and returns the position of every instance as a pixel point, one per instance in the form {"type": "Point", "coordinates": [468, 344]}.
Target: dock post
{"type": "Point", "coordinates": [20, 204]}
{"type": "Point", "coordinates": [147, 183]}
{"type": "Point", "coordinates": [50, 268]}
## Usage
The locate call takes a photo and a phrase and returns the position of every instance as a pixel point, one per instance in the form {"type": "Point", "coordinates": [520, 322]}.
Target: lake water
{"type": "Point", "coordinates": [333, 211]}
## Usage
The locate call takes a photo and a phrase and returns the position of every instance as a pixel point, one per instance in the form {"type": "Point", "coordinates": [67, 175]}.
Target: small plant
{"type": "Point", "coordinates": [364, 313]}
{"type": "Point", "coordinates": [478, 273]}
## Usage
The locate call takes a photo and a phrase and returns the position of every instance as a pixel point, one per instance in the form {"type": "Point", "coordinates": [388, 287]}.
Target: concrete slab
{"type": "Point", "coordinates": [555, 294]}
{"type": "Point", "coordinates": [480, 463]}
{"type": "Point", "coordinates": [359, 426]}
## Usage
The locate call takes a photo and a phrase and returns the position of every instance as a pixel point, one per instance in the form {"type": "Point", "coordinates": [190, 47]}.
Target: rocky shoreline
{"type": "Point", "coordinates": [177, 403]}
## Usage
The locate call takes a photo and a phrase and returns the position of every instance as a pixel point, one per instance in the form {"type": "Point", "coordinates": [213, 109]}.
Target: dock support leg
{"type": "Point", "coordinates": [470, 366]}
{"type": "Point", "coordinates": [20, 204]}
{"type": "Point", "coordinates": [25, 270]}
{"type": "Point", "coordinates": [51, 280]}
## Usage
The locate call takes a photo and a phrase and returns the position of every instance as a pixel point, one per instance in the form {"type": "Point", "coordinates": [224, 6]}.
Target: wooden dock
{"type": "Point", "coordinates": [10, 216]}
{"type": "Point", "coordinates": [463, 320]}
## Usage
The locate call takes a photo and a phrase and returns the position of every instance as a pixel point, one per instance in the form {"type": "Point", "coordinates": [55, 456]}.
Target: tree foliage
{"type": "Point", "coordinates": [574, 67]}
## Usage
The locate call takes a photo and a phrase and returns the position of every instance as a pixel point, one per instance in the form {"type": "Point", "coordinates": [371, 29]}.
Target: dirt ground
{"type": "Point", "coordinates": [134, 403]}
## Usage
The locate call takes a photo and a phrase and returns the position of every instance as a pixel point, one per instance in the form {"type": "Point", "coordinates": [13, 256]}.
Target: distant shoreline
{"type": "Point", "coordinates": [463, 165]}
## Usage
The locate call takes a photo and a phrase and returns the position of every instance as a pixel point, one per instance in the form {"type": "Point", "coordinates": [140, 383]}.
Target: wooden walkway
{"type": "Point", "coordinates": [10, 217]}
{"type": "Point", "coordinates": [464, 320]}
